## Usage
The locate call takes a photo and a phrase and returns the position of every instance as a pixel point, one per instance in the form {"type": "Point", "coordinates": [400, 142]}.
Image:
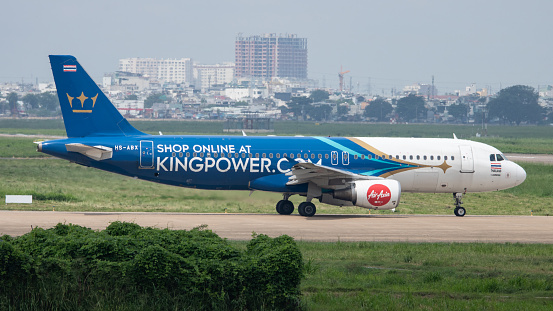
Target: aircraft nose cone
{"type": "Point", "coordinates": [521, 175]}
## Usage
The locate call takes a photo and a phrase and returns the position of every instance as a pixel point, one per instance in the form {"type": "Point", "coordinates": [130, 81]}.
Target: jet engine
{"type": "Point", "coordinates": [375, 194]}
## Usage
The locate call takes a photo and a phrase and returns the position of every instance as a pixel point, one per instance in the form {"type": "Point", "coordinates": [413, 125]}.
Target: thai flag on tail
{"type": "Point", "coordinates": [496, 167]}
{"type": "Point", "coordinates": [69, 68]}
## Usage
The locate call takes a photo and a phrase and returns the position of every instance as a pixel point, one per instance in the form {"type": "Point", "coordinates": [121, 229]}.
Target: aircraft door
{"type": "Point", "coordinates": [334, 157]}
{"type": "Point", "coordinates": [146, 154]}
{"type": "Point", "coordinates": [345, 158]}
{"type": "Point", "coordinates": [467, 161]}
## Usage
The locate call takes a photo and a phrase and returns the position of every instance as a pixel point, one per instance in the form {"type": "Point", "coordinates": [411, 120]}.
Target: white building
{"type": "Point", "coordinates": [164, 70]}
{"type": "Point", "coordinates": [207, 76]}
{"type": "Point", "coordinates": [241, 93]}
{"type": "Point", "coordinates": [129, 107]}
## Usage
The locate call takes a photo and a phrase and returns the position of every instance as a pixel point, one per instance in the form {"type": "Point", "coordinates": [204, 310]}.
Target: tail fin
{"type": "Point", "coordinates": [86, 109]}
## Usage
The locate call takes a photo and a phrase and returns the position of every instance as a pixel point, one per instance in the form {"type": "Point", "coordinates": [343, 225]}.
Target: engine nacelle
{"type": "Point", "coordinates": [375, 194]}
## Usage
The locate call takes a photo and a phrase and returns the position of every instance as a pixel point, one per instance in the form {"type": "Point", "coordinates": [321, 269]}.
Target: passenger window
{"type": "Point", "coordinates": [201, 154]}
{"type": "Point", "coordinates": [173, 154]}
{"type": "Point", "coordinates": [431, 157]}
{"type": "Point", "coordinates": [215, 154]}
{"type": "Point", "coordinates": [362, 157]}
{"type": "Point", "coordinates": [194, 154]}
{"type": "Point", "coordinates": [264, 155]}
{"type": "Point", "coordinates": [305, 156]}
{"type": "Point", "coordinates": [208, 155]}
{"type": "Point", "coordinates": [424, 157]}
{"type": "Point", "coordinates": [326, 156]}
{"type": "Point", "coordinates": [355, 157]}
{"type": "Point", "coordinates": [418, 157]}
{"type": "Point", "coordinates": [236, 155]}
{"type": "Point", "coordinates": [492, 157]}
{"type": "Point", "coordinates": [250, 155]}
{"type": "Point", "coordinates": [180, 154]}
{"type": "Point", "coordinates": [452, 158]}
{"type": "Point", "coordinates": [312, 156]}
{"type": "Point", "coordinates": [278, 155]}
{"type": "Point", "coordinates": [299, 155]}
{"type": "Point", "coordinates": [230, 155]}
{"type": "Point", "coordinates": [445, 158]}
{"type": "Point", "coordinates": [188, 154]}
{"type": "Point", "coordinates": [438, 158]}
{"type": "Point", "coordinates": [320, 156]}
{"type": "Point", "coordinates": [410, 157]}
{"type": "Point", "coordinates": [404, 157]}
{"type": "Point", "coordinates": [243, 155]}
{"type": "Point", "coordinates": [257, 155]}
{"type": "Point", "coordinates": [370, 156]}
{"type": "Point", "coordinates": [500, 157]}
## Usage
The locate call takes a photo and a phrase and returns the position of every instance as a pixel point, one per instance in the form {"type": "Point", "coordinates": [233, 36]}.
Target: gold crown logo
{"type": "Point", "coordinates": [82, 99]}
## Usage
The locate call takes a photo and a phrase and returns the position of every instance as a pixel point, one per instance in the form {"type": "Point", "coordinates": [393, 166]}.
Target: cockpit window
{"type": "Point", "coordinates": [500, 157]}
{"type": "Point", "coordinates": [492, 157]}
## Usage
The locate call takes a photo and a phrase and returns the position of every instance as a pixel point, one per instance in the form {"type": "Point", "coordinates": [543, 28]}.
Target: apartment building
{"type": "Point", "coordinates": [164, 70]}
{"type": "Point", "coordinates": [271, 55]}
{"type": "Point", "coordinates": [210, 75]}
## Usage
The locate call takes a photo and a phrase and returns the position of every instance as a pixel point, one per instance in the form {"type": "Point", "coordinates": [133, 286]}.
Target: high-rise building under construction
{"type": "Point", "coordinates": [271, 55]}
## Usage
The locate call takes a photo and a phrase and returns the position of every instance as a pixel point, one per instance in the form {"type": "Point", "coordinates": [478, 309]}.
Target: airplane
{"type": "Point", "coordinates": [368, 172]}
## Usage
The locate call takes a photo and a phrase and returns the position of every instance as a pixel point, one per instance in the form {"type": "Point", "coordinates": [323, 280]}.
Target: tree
{"type": "Point", "coordinates": [3, 106]}
{"type": "Point", "coordinates": [298, 106]}
{"type": "Point", "coordinates": [378, 108]}
{"type": "Point", "coordinates": [411, 107]}
{"type": "Point", "coordinates": [342, 110]}
{"type": "Point", "coordinates": [48, 101]}
{"type": "Point", "coordinates": [458, 111]}
{"type": "Point", "coordinates": [319, 96]}
{"type": "Point", "coordinates": [31, 101]}
{"type": "Point", "coordinates": [12, 101]}
{"type": "Point", "coordinates": [152, 99]}
{"type": "Point", "coordinates": [319, 113]}
{"type": "Point", "coordinates": [516, 104]}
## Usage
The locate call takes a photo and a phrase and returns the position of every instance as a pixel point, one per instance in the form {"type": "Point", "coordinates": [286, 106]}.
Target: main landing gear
{"type": "Point", "coordinates": [459, 210]}
{"type": "Point", "coordinates": [286, 207]}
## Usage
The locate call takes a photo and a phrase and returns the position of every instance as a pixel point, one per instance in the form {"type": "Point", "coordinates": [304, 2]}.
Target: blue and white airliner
{"type": "Point", "coordinates": [369, 172]}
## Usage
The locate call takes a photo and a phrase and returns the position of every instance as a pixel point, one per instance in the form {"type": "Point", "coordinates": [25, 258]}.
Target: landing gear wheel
{"type": "Point", "coordinates": [285, 207]}
{"type": "Point", "coordinates": [459, 211]}
{"type": "Point", "coordinates": [307, 209]}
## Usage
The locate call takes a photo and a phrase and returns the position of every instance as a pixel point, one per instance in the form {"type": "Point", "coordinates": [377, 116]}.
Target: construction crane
{"type": "Point", "coordinates": [341, 76]}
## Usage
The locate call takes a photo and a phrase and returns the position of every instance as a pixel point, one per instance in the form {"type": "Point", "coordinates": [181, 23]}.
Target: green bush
{"type": "Point", "coordinates": [73, 267]}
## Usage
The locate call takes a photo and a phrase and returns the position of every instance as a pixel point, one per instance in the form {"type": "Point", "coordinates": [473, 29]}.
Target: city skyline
{"type": "Point", "coordinates": [387, 44]}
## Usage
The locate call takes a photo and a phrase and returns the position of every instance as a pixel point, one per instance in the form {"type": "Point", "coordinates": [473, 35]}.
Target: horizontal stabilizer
{"type": "Point", "coordinates": [97, 153]}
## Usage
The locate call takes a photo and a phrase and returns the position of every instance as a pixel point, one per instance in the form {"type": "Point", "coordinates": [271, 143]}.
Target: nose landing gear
{"type": "Point", "coordinates": [459, 210]}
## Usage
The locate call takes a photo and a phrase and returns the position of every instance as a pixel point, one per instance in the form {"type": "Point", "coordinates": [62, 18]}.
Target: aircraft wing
{"type": "Point", "coordinates": [323, 176]}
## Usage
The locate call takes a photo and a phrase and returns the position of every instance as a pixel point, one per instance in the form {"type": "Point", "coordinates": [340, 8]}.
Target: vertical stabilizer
{"type": "Point", "coordinates": [86, 109]}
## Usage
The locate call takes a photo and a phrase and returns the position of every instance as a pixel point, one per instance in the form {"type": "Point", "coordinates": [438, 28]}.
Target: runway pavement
{"type": "Point", "coordinates": [396, 228]}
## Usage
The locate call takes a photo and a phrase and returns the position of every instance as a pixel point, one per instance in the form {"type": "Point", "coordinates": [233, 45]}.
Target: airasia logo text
{"type": "Point", "coordinates": [378, 195]}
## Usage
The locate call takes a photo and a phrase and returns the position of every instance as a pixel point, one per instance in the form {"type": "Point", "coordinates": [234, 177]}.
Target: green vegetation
{"type": "Point", "coordinates": [56, 127]}
{"type": "Point", "coordinates": [19, 147]}
{"type": "Point", "coordinates": [126, 267]}
{"type": "Point", "coordinates": [428, 276]}
{"type": "Point", "coordinates": [508, 139]}
{"type": "Point", "coordinates": [69, 187]}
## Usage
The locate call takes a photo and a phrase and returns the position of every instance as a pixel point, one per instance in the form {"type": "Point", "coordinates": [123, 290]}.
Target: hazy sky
{"type": "Point", "coordinates": [394, 42]}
